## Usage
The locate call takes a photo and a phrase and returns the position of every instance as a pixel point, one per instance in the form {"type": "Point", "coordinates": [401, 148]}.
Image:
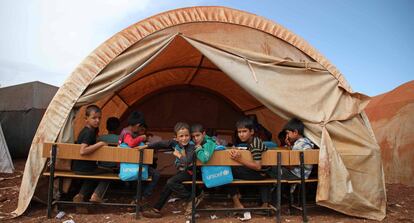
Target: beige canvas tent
{"type": "Point", "coordinates": [391, 116]}
{"type": "Point", "coordinates": [256, 65]}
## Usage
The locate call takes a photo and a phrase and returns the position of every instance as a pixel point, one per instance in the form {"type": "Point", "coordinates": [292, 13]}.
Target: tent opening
{"type": "Point", "coordinates": [181, 84]}
{"type": "Point", "coordinates": [254, 63]}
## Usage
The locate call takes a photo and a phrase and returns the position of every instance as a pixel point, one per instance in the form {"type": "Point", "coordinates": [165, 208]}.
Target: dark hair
{"type": "Point", "coordinates": [92, 108]}
{"type": "Point", "coordinates": [181, 125]}
{"type": "Point", "coordinates": [112, 123]}
{"type": "Point", "coordinates": [245, 123]}
{"type": "Point", "coordinates": [282, 136]}
{"type": "Point", "coordinates": [197, 128]}
{"type": "Point", "coordinates": [295, 124]}
{"type": "Point", "coordinates": [253, 117]}
{"type": "Point", "coordinates": [211, 132]}
{"type": "Point", "coordinates": [136, 117]}
{"type": "Point", "coordinates": [144, 125]}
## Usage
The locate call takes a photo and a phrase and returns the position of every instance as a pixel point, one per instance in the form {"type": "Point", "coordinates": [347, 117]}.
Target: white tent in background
{"type": "Point", "coordinates": [6, 163]}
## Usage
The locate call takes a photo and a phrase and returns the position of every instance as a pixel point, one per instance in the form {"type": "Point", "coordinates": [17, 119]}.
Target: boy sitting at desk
{"type": "Point", "coordinates": [183, 152]}
{"type": "Point", "coordinates": [112, 124]}
{"type": "Point", "coordinates": [87, 139]}
{"type": "Point", "coordinates": [294, 136]}
{"type": "Point", "coordinates": [250, 169]}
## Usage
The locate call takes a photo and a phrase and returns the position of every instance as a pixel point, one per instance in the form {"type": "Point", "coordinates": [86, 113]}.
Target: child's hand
{"type": "Point", "coordinates": [287, 141]}
{"type": "Point", "coordinates": [235, 154]}
{"type": "Point", "coordinates": [144, 137]}
{"type": "Point", "coordinates": [101, 143]}
{"type": "Point", "coordinates": [177, 154]}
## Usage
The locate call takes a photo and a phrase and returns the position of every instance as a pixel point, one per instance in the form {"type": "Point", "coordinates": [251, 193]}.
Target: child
{"type": "Point", "coordinates": [112, 124]}
{"type": "Point", "coordinates": [283, 139]}
{"type": "Point", "coordinates": [87, 139]}
{"type": "Point", "coordinates": [137, 126]}
{"type": "Point", "coordinates": [183, 151]}
{"type": "Point", "coordinates": [294, 136]}
{"type": "Point", "coordinates": [128, 134]}
{"type": "Point", "coordinates": [259, 130]}
{"type": "Point", "coordinates": [204, 144]}
{"type": "Point", "coordinates": [204, 149]}
{"type": "Point", "coordinates": [250, 169]}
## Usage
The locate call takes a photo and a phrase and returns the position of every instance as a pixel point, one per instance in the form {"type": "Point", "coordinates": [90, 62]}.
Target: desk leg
{"type": "Point", "coordinates": [139, 185]}
{"type": "Point", "coordinates": [302, 182]}
{"type": "Point", "coordinates": [193, 189]}
{"type": "Point", "coordinates": [279, 187]}
{"type": "Point", "coordinates": [51, 179]}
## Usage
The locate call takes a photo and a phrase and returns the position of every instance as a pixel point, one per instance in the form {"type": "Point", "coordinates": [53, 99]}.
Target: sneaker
{"type": "Point", "coordinates": [152, 213]}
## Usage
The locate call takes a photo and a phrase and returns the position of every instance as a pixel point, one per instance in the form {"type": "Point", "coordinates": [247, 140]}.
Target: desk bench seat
{"type": "Point", "coordinates": [265, 181]}
{"type": "Point", "coordinates": [276, 158]}
{"type": "Point", "coordinates": [69, 151]}
{"type": "Point", "coordinates": [70, 174]}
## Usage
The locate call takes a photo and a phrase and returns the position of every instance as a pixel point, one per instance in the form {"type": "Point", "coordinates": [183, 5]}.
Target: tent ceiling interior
{"type": "Point", "coordinates": [180, 66]}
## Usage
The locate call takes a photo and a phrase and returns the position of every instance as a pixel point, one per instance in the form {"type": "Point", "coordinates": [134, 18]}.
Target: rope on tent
{"type": "Point", "coordinates": [251, 69]}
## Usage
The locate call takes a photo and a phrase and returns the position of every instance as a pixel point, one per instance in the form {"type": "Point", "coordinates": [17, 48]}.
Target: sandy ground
{"type": "Point", "coordinates": [400, 208]}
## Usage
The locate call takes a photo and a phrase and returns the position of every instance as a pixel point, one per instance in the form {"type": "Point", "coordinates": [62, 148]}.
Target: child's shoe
{"type": "Point", "coordinates": [78, 198]}
{"type": "Point", "coordinates": [79, 209]}
{"type": "Point", "coordinates": [198, 200]}
{"type": "Point", "coordinates": [152, 213]}
{"type": "Point", "coordinates": [96, 199]}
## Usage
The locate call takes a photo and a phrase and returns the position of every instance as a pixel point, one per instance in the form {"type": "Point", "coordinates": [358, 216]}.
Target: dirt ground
{"type": "Point", "coordinates": [400, 208]}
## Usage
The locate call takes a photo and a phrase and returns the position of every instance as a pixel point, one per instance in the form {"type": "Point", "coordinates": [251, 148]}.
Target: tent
{"type": "Point", "coordinates": [6, 163]}
{"type": "Point", "coordinates": [254, 64]}
{"type": "Point", "coordinates": [21, 109]}
{"type": "Point", "coordinates": [391, 116]}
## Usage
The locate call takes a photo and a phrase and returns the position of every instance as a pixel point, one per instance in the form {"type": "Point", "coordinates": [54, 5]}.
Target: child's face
{"type": "Point", "coordinates": [93, 119]}
{"type": "Point", "coordinates": [292, 136]}
{"type": "Point", "coordinates": [245, 134]}
{"type": "Point", "coordinates": [198, 137]}
{"type": "Point", "coordinates": [142, 130]}
{"type": "Point", "coordinates": [135, 128]}
{"type": "Point", "coordinates": [183, 137]}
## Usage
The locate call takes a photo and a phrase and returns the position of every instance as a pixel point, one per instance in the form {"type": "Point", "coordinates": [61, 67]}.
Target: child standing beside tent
{"type": "Point", "coordinates": [87, 139]}
{"type": "Point", "coordinates": [294, 136]}
{"type": "Point", "coordinates": [183, 151]}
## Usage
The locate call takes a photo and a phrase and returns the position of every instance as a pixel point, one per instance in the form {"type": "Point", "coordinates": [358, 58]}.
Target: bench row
{"type": "Point", "coordinates": [219, 158]}
{"type": "Point", "coordinates": [272, 157]}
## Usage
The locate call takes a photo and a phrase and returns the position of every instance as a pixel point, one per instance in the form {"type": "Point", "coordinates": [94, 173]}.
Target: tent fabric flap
{"type": "Point", "coordinates": [299, 96]}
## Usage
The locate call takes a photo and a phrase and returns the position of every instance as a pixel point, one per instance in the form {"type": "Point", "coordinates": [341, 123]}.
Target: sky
{"type": "Point", "coordinates": [370, 41]}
